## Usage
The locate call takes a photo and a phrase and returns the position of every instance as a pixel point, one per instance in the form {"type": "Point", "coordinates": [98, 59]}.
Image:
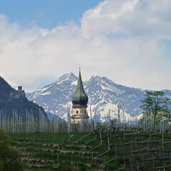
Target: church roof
{"type": "Point", "coordinates": [79, 97]}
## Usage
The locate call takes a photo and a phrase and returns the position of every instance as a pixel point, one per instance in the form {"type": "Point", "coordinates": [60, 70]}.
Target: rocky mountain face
{"type": "Point", "coordinates": [105, 97]}
{"type": "Point", "coordinates": [14, 101]}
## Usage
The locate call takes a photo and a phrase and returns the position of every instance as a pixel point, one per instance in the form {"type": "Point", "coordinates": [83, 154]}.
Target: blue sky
{"type": "Point", "coordinates": [128, 41]}
{"type": "Point", "coordinates": [45, 13]}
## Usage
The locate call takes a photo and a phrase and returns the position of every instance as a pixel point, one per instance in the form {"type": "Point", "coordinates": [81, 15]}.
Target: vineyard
{"type": "Point", "coordinates": [105, 149]}
{"type": "Point", "coordinates": [61, 151]}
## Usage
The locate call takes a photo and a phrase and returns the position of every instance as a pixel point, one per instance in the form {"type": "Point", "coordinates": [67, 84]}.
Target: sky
{"type": "Point", "coordinates": [128, 41]}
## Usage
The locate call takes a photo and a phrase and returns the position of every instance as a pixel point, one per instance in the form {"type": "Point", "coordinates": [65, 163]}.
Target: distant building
{"type": "Point", "coordinates": [79, 103]}
{"type": "Point", "coordinates": [19, 94]}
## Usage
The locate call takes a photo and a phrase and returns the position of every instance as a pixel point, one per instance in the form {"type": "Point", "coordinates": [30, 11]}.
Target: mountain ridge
{"type": "Point", "coordinates": [12, 100]}
{"type": "Point", "coordinates": [104, 96]}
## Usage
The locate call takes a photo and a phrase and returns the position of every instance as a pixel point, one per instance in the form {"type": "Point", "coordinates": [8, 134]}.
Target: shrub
{"type": "Point", "coordinates": [9, 157]}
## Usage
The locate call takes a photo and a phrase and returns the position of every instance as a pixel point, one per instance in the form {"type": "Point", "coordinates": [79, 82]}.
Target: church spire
{"type": "Point", "coordinates": [79, 96]}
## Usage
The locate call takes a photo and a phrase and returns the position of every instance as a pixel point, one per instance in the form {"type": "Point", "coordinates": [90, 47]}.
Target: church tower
{"type": "Point", "coordinates": [79, 103]}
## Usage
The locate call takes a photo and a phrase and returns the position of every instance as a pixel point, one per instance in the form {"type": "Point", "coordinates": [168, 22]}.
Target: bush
{"type": "Point", "coordinates": [9, 157]}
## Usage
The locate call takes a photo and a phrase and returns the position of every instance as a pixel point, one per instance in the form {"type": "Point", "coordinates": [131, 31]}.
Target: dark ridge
{"type": "Point", "coordinates": [14, 101]}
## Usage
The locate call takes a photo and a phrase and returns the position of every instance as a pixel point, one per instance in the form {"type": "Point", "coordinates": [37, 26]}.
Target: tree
{"type": "Point", "coordinates": [8, 156]}
{"type": "Point", "coordinates": [155, 105]}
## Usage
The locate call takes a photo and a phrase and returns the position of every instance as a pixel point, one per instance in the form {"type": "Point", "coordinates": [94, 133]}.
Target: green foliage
{"type": "Point", "coordinates": [155, 105]}
{"type": "Point", "coordinates": [8, 156]}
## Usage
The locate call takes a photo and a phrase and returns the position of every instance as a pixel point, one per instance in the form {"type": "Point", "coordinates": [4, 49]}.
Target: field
{"type": "Point", "coordinates": [103, 150]}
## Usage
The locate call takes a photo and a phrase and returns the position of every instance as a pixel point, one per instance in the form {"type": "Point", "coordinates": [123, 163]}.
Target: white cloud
{"type": "Point", "coordinates": [120, 39]}
{"type": "Point", "coordinates": [134, 18]}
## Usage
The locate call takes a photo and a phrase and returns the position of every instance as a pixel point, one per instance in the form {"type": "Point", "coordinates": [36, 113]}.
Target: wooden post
{"type": "Point", "coordinates": [116, 151]}
{"type": "Point", "coordinates": [162, 140]}
{"type": "Point", "coordinates": [132, 166]}
{"type": "Point", "coordinates": [108, 141]}
{"type": "Point", "coordinates": [92, 122]}
{"type": "Point", "coordinates": [81, 124]}
{"type": "Point", "coordinates": [69, 119]}
{"type": "Point", "coordinates": [124, 132]}
{"type": "Point", "coordinates": [119, 110]}
{"type": "Point", "coordinates": [92, 157]}
{"type": "Point", "coordinates": [100, 136]}
{"type": "Point", "coordinates": [124, 160]}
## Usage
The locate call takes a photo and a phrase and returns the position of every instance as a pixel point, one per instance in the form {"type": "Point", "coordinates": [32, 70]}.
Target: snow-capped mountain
{"type": "Point", "coordinates": [54, 98]}
{"type": "Point", "coordinates": [105, 97]}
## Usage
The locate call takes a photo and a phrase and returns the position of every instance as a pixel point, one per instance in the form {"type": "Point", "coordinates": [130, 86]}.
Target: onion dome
{"type": "Point", "coordinates": [79, 97]}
